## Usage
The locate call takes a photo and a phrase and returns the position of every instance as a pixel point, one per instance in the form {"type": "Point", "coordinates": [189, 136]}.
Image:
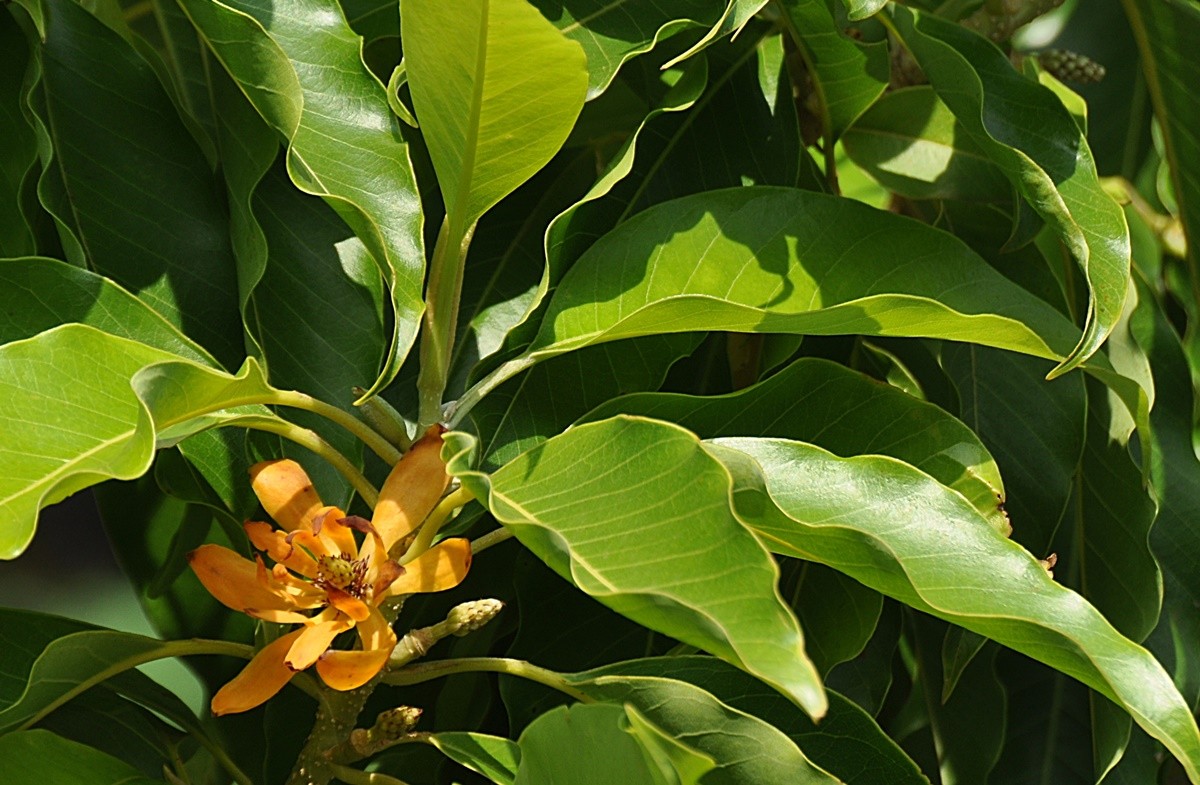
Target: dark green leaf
{"type": "Point", "coordinates": [19, 151]}
{"type": "Point", "coordinates": [35, 757]}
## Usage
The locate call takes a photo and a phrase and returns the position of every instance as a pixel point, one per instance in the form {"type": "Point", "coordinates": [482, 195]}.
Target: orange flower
{"type": "Point", "coordinates": [323, 578]}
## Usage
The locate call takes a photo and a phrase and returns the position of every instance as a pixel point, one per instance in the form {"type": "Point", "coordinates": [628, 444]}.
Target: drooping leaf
{"type": "Point", "coordinates": [301, 67]}
{"type": "Point", "coordinates": [1037, 144]}
{"type": "Point", "coordinates": [495, 757]}
{"type": "Point", "coordinates": [912, 144]}
{"type": "Point", "coordinates": [847, 75]}
{"type": "Point", "coordinates": [762, 259]}
{"type": "Point", "coordinates": [898, 531]}
{"type": "Point", "coordinates": [827, 404]}
{"type": "Point", "coordinates": [129, 187]}
{"type": "Point", "coordinates": [688, 568]}
{"type": "Point", "coordinates": [838, 614]}
{"type": "Point", "coordinates": [607, 749]}
{"type": "Point", "coordinates": [33, 757]}
{"type": "Point", "coordinates": [746, 749]}
{"type": "Point", "coordinates": [496, 89]}
{"type": "Point", "coordinates": [846, 743]}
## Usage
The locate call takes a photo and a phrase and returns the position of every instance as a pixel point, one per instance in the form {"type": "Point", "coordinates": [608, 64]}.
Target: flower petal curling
{"type": "Point", "coordinates": [348, 604]}
{"type": "Point", "coordinates": [286, 493]}
{"type": "Point", "coordinates": [234, 580]}
{"type": "Point", "coordinates": [264, 676]}
{"type": "Point", "coordinates": [314, 640]}
{"type": "Point", "coordinates": [338, 538]}
{"type": "Point", "coordinates": [441, 567]}
{"type": "Point", "coordinates": [283, 547]}
{"type": "Point", "coordinates": [412, 489]}
{"type": "Point", "coordinates": [348, 670]}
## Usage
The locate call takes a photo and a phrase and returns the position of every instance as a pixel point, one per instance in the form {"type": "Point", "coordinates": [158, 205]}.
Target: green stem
{"type": "Point", "coordinates": [484, 386]}
{"type": "Point", "coordinates": [416, 674]}
{"type": "Point", "coordinates": [377, 444]}
{"type": "Point", "coordinates": [435, 521]}
{"type": "Point", "coordinates": [309, 440]}
{"type": "Point", "coordinates": [494, 537]}
{"type": "Point", "coordinates": [442, 297]}
{"type": "Point", "coordinates": [831, 177]}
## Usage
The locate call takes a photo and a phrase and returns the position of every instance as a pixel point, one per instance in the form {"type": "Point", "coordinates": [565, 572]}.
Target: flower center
{"type": "Point", "coordinates": [342, 572]}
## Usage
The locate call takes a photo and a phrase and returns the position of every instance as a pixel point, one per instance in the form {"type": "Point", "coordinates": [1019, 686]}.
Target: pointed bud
{"type": "Point", "coordinates": [1068, 66]}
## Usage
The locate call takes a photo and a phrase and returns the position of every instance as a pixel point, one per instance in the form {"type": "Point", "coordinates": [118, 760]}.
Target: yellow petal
{"type": "Point", "coordinates": [234, 580]}
{"type": "Point", "coordinates": [279, 617]}
{"type": "Point", "coordinates": [337, 537]}
{"type": "Point", "coordinates": [264, 676]}
{"type": "Point", "coordinates": [348, 604]}
{"type": "Point", "coordinates": [282, 547]}
{"type": "Point", "coordinates": [412, 489]}
{"type": "Point", "coordinates": [348, 670]}
{"type": "Point", "coordinates": [442, 567]}
{"type": "Point", "coordinates": [314, 640]}
{"type": "Point", "coordinates": [286, 493]}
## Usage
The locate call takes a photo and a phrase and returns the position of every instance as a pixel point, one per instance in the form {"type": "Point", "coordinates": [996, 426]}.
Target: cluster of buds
{"type": "Point", "coordinates": [1067, 66]}
{"type": "Point", "coordinates": [390, 727]}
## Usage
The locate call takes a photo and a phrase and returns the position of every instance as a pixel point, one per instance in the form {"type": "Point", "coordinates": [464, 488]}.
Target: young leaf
{"type": "Point", "coordinates": [686, 566]}
{"type": "Point", "coordinates": [496, 89]}
{"type": "Point", "coordinates": [1042, 151]}
{"type": "Point", "coordinates": [903, 534]}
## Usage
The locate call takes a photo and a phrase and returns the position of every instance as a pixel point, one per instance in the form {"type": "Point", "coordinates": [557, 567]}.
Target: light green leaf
{"type": "Point", "coordinates": [859, 10]}
{"type": "Point", "coordinates": [847, 75]}
{"type": "Point", "coordinates": [764, 259]}
{"type": "Point", "coordinates": [494, 757]}
{"type": "Point", "coordinates": [827, 404]}
{"type": "Point", "coordinates": [70, 420]}
{"type": "Point", "coordinates": [496, 89]}
{"type": "Point", "coordinates": [1039, 147]}
{"type": "Point", "coordinates": [912, 144]}
{"type": "Point", "coordinates": [900, 532]}
{"type": "Point", "coordinates": [738, 14]}
{"type": "Point", "coordinates": [687, 567]}
{"type": "Point", "coordinates": [35, 757]}
{"type": "Point", "coordinates": [300, 64]}
{"type": "Point", "coordinates": [678, 763]}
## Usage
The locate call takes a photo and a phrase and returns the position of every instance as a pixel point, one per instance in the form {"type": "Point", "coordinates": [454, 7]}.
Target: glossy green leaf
{"type": "Point", "coordinates": [788, 248]}
{"type": "Point", "coordinates": [861, 9]}
{"type": "Point", "coordinates": [606, 749]}
{"type": "Point", "coordinates": [847, 75]}
{"type": "Point", "coordinates": [846, 743]}
{"type": "Point", "coordinates": [27, 308]}
{"type": "Point", "coordinates": [1042, 151]}
{"type": "Point", "coordinates": [494, 757]}
{"type": "Point", "coordinates": [19, 151]}
{"type": "Point", "coordinates": [612, 33]}
{"type": "Point", "coordinates": [1168, 34]}
{"type": "Point", "coordinates": [746, 749]}
{"type": "Point", "coordinates": [651, 485]}
{"type": "Point", "coordinates": [829, 405]}
{"type": "Point", "coordinates": [538, 404]}
{"type": "Point", "coordinates": [54, 379]}
{"type": "Point", "coordinates": [1037, 443]}
{"type": "Point", "coordinates": [301, 67]}
{"type": "Point", "coordinates": [34, 757]}
{"type": "Point", "coordinates": [912, 144]}
{"type": "Point", "coordinates": [132, 193]}
{"type": "Point", "coordinates": [496, 89]}
{"type": "Point", "coordinates": [898, 531]}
